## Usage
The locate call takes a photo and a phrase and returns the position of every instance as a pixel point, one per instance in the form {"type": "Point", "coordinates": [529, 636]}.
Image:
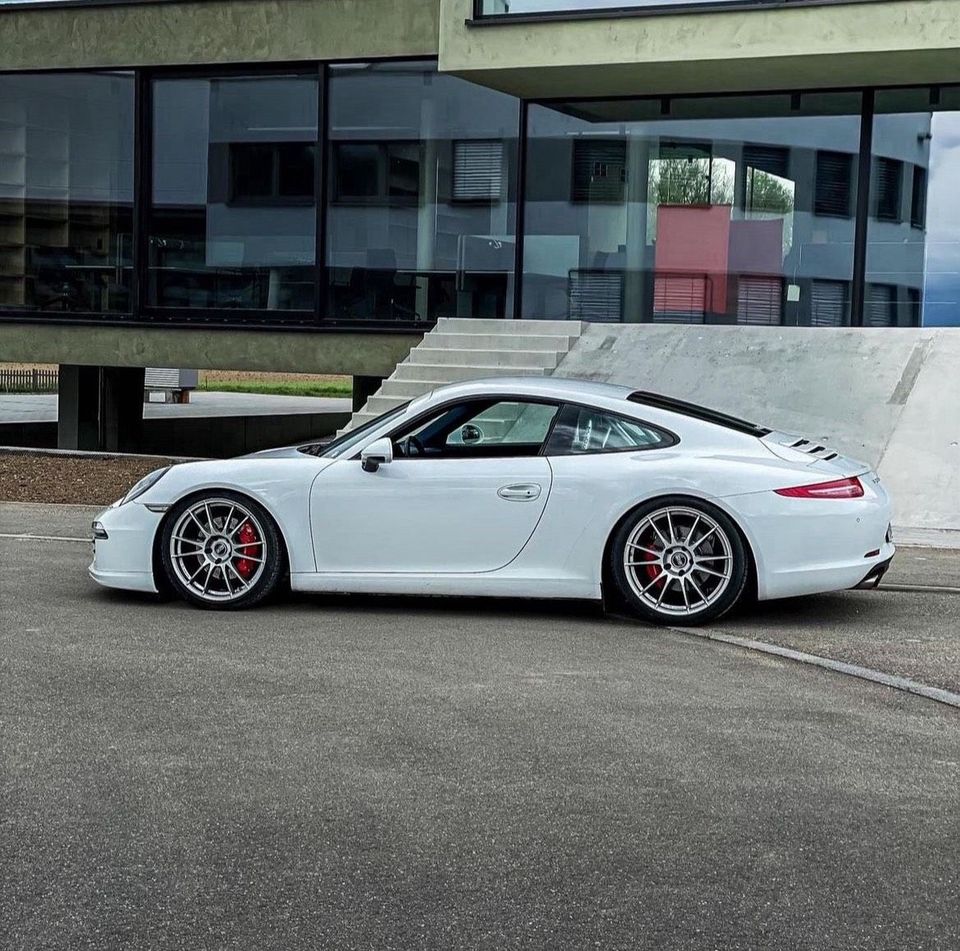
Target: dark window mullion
{"type": "Point", "coordinates": [861, 226]}
{"type": "Point", "coordinates": [320, 193]}
{"type": "Point", "coordinates": [142, 192]}
{"type": "Point", "coordinates": [520, 212]}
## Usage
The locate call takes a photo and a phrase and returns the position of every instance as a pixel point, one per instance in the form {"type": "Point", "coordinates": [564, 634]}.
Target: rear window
{"type": "Point", "coordinates": [699, 412]}
{"type": "Point", "coordinates": [583, 429]}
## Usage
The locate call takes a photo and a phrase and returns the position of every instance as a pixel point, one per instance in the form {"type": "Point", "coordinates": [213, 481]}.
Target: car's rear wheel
{"type": "Point", "coordinates": [678, 561]}
{"type": "Point", "coordinates": [222, 550]}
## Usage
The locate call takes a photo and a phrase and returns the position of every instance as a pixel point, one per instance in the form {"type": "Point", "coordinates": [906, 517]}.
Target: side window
{"type": "Point", "coordinates": [478, 429]}
{"type": "Point", "coordinates": [504, 424]}
{"type": "Point", "coordinates": [583, 430]}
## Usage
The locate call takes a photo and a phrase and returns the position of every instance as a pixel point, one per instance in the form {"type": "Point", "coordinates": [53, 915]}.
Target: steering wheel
{"type": "Point", "coordinates": [414, 447]}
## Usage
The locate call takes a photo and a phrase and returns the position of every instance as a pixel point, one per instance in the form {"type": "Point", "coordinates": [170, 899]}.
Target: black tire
{"type": "Point", "coordinates": [186, 551]}
{"type": "Point", "coordinates": [664, 575]}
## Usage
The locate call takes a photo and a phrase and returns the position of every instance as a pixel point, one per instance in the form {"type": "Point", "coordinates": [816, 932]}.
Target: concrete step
{"type": "Point", "coordinates": [487, 358]}
{"type": "Point", "coordinates": [358, 420]}
{"type": "Point", "coordinates": [566, 328]}
{"type": "Point", "coordinates": [453, 373]}
{"type": "Point", "coordinates": [407, 389]}
{"type": "Point", "coordinates": [378, 404]}
{"type": "Point", "coordinates": [441, 340]}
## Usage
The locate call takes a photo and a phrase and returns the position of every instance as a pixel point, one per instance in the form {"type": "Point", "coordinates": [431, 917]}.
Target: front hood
{"type": "Point", "coordinates": [284, 452]}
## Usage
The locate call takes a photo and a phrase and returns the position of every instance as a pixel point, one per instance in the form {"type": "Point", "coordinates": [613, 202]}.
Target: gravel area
{"type": "Point", "coordinates": [81, 480]}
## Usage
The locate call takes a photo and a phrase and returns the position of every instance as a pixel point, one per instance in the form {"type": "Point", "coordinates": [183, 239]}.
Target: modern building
{"type": "Point", "coordinates": [309, 185]}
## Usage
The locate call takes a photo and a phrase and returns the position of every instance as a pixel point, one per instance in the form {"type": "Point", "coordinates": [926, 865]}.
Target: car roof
{"type": "Point", "coordinates": [562, 388]}
{"type": "Point", "coordinates": [657, 409]}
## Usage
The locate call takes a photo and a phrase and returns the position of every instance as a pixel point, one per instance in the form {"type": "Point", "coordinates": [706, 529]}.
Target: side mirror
{"type": "Point", "coordinates": [377, 454]}
{"type": "Point", "coordinates": [471, 434]}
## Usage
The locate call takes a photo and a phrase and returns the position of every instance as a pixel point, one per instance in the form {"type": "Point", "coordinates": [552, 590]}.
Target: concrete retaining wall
{"type": "Point", "coordinates": [888, 396]}
{"type": "Point", "coordinates": [210, 436]}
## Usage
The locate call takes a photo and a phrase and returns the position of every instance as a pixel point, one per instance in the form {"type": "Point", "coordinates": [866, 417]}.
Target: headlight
{"type": "Point", "coordinates": [147, 482]}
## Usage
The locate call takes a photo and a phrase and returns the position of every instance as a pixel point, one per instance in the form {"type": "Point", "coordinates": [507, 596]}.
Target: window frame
{"type": "Point", "coordinates": [383, 198]}
{"type": "Point", "coordinates": [410, 425]}
{"type": "Point", "coordinates": [275, 199]}
{"type": "Point", "coordinates": [640, 8]}
{"type": "Point", "coordinates": [885, 166]}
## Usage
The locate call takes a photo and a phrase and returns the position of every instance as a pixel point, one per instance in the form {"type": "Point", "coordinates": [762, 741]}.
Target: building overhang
{"type": "Point", "coordinates": [363, 353]}
{"type": "Point", "coordinates": [870, 42]}
{"type": "Point", "coordinates": [188, 32]}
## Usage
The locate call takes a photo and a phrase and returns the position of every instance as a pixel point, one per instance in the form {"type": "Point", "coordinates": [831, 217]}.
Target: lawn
{"type": "Point", "coordinates": [276, 384]}
{"type": "Point", "coordinates": [280, 387]}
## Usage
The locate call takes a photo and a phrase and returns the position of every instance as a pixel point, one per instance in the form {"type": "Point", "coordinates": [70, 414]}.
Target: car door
{"type": "Point", "coordinates": [464, 493]}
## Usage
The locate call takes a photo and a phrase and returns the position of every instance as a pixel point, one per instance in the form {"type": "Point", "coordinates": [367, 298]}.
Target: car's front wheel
{"type": "Point", "coordinates": [222, 550]}
{"type": "Point", "coordinates": [678, 561]}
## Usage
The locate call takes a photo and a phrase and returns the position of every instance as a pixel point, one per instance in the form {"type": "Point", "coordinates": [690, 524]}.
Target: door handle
{"type": "Point", "coordinates": [523, 492]}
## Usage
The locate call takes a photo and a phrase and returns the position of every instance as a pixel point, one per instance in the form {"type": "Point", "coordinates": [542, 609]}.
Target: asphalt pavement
{"type": "Point", "coordinates": [434, 773]}
{"type": "Point", "coordinates": [42, 407]}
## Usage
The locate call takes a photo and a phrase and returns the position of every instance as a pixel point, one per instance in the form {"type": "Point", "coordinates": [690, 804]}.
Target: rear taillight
{"type": "Point", "coordinates": [839, 489]}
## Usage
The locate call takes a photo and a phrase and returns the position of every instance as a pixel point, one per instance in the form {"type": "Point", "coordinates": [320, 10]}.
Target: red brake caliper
{"type": "Point", "coordinates": [247, 536]}
{"type": "Point", "coordinates": [653, 571]}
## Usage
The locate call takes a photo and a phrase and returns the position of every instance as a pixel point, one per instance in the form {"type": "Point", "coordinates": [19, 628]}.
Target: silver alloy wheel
{"type": "Point", "coordinates": [218, 549]}
{"type": "Point", "coordinates": [678, 560]}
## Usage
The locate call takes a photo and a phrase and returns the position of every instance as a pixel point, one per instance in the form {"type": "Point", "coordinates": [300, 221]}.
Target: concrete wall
{"type": "Point", "coordinates": [364, 354]}
{"type": "Point", "coordinates": [888, 396]}
{"type": "Point", "coordinates": [216, 31]}
{"type": "Point", "coordinates": [793, 46]}
{"type": "Point", "coordinates": [209, 436]}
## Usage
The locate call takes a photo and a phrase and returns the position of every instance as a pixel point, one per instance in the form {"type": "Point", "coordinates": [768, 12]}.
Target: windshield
{"type": "Point", "coordinates": [343, 444]}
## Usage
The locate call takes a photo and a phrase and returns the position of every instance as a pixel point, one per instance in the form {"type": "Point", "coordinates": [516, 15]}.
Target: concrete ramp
{"type": "Point", "coordinates": [889, 396]}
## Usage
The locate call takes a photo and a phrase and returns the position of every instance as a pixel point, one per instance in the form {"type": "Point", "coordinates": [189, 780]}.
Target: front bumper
{"type": "Point", "coordinates": [124, 558]}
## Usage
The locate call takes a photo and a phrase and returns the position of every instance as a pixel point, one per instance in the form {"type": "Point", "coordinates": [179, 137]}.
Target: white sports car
{"type": "Point", "coordinates": [542, 488]}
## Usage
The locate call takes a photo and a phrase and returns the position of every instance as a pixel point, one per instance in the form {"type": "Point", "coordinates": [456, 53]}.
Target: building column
{"type": "Point", "coordinates": [637, 280]}
{"type": "Point", "coordinates": [363, 388]}
{"type": "Point", "coordinates": [122, 414]}
{"type": "Point", "coordinates": [100, 408]}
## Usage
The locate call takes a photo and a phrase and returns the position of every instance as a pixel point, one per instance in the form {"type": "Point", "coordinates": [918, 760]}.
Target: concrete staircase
{"type": "Point", "coordinates": [470, 349]}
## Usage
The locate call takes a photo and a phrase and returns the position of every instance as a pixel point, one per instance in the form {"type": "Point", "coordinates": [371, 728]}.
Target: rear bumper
{"type": "Point", "coordinates": [875, 575]}
{"type": "Point", "coordinates": [809, 546]}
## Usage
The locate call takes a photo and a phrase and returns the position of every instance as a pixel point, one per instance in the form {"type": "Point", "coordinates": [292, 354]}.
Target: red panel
{"type": "Point", "coordinates": [692, 255]}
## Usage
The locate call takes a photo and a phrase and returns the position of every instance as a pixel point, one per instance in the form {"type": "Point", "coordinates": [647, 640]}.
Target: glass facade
{"type": "Point", "coordinates": [723, 210]}
{"type": "Point", "coordinates": [66, 192]}
{"type": "Point", "coordinates": [421, 216]}
{"type": "Point", "coordinates": [386, 194]}
{"type": "Point", "coordinates": [913, 236]}
{"type": "Point", "coordinates": [613, 7]}
{"type": "Point", "coordinates": [233, 215]}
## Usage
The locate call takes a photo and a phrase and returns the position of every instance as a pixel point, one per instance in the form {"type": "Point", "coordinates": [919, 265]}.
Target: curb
{"type": "Point", "coordinates": [904, 684]}
{"type": "Point", "coordinates": [87, 454]}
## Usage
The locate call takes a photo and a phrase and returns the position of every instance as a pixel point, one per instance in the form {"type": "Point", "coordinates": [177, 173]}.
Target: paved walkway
{"type": "Point", "coordinates": [42, 408]}
{"type": "Point", "coordinates": [344, 772]}
{"type": "Point", "coordinates": [908, 633]}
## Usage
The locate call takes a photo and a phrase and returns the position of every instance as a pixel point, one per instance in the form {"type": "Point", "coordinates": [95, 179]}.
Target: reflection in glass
{"type": "Point", "coordinates": [233, 217]}
{"type": "Point", "coordinates": [913, 251]}
{"type": "Point", "coordinates": [724, 210]}
{"type": "Point", "coordinates": [66, 192]}
{"type": "Point", "coordinates": [421, 216]}
{"type": "Point", "coordinates": [522, 7]}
